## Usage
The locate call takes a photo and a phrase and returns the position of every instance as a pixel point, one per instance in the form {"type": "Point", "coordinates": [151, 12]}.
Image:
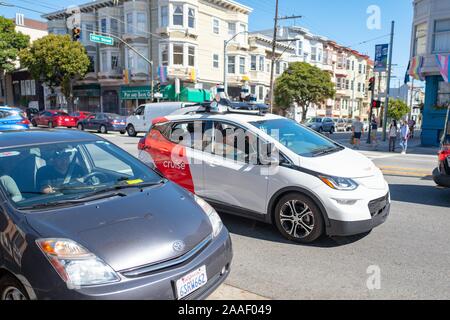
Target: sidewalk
{"type": "Point", "coordinates": [414, 145]}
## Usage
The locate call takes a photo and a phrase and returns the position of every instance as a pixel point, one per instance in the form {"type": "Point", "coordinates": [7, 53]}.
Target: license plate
{"type": "Point", "coordinates": [66, 119]}
{"type": "Point", "coordinates": [191, 282]}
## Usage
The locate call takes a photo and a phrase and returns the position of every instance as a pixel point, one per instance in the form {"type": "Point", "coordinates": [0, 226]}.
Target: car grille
{"type": "Point", "coordinates": [377, 206]}
{"type": "Point", "coordinates": [158, 266]}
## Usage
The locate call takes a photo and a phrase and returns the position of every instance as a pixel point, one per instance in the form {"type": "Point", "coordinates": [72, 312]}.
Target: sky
{"type": "Point", "coordinates": [344, 21]}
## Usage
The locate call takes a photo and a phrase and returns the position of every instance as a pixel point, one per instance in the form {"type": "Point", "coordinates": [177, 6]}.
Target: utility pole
{"type": "Point", "coordinates": [386, 104]}
{"type": "Point", "coordinates": [274, 46]}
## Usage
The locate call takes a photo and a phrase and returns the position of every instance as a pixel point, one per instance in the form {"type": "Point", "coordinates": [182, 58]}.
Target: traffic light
{"type": "Point", "coordinates": [158, 87]}
{"type": "Point", "coordinates": [372, 84]}
{"type": "Point", "coordinates": [76, 31]}
{"type": "Point", "coordinates": [376, 104]}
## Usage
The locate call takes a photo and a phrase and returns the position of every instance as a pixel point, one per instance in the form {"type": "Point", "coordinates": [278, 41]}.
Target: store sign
{"type": "Point", "coordinates": [381, 57]}
{"type": "Point", "coordinates": [133, 93]}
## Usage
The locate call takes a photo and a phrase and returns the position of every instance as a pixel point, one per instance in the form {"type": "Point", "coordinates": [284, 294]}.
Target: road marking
{"type": "Point", "coordinates": [406, 172]}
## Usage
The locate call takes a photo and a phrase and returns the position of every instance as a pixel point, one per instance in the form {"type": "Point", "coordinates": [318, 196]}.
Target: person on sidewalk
{"type": "Point", "coordinates": [412, 125]}
{"type": "Point", "coordinates": [373, 133]}
{"type": "Point", "coordinates": [404, 136]}
{"type": "Point", "coordinates": [357, 130]}
{"type": "Point", "coordinates": [392, 135]}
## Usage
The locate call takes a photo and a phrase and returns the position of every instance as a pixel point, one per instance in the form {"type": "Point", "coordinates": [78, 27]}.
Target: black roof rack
{"type": "Point", "coordinates": [227, 106]}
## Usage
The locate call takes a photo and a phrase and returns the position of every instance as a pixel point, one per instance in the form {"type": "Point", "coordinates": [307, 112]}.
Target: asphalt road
{"type": "Point", "coordinates": [411, 250]}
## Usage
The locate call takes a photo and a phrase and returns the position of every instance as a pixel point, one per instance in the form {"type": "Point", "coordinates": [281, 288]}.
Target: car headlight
{"type": "Point", "coordinates": [76, 265]}
{"type": "Point", "coordinates": [339, 183]}
{"type": "Point", "coordinates": [214, 218]}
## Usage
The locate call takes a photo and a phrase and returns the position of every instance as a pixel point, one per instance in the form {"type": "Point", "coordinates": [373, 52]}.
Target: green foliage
{"type": "Point", "coordinates": [57, 61]}
{"type": "Point", "coordinates": [397, 109]}
{"type": "Point", "coordinates": [303, 84]}
{"type": "Point", "coordinates": [11, 42]}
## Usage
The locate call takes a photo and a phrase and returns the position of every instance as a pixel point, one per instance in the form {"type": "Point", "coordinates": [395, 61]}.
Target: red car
{"type": "Point", "coordinates": [80, 115]}
{"type": "Point", "coordinates": [54, 118]}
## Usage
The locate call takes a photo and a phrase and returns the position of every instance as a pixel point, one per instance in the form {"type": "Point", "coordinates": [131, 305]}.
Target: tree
{"type": "Point", "coordinates": [57, 61]}
{"type": "Point", "coordinates": [397, 109]}
{"type": "Point", "coordinates": [303, 84]}
{"type": "Point", "coordinates": [11, 42]}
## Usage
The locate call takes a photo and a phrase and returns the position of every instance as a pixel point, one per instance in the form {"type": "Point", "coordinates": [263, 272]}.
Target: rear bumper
{"type": "Point", "coordinates": [441, 179]}
{"type": "Point", "coordinates": [159, 285]}
{"type": "Point", "coordinates": [347, 228]}
{"type": "Point", "coordinates": [117, 127]}
{"type": "Point", "coordinates": [14, 127]}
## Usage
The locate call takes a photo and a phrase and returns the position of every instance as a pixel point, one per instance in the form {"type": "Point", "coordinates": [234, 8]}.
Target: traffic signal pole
{"type": "Point", "coordinates": [386, 104]}
{"type": "Point", "coordinates": [372, 90]}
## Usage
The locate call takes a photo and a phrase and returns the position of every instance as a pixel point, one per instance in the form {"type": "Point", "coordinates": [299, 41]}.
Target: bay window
{"type": "Point", "coordinates": [103, 27]}
{"type": "Point", "coordinates": [142, 64]}
{"type": "Point", "coordinates": [261, 93]}
{"type": "Point", "coordinates": [231, 29]}
{"type": "Point", "coordinates": [178, 15]}
{"type": "Point", "coordinates": [115, 61]}
{"type": "Point", "coordinates": [129, 18]}
{"type": "Point", "coordinates": [114, 26]}
{"type": "Point", "coordinates": [191, 18]}
{"type": "Point", "coordinates": [313, 53]}
{"type": "Point", "coordinates": [164, 49]}
{"type": "Point", "coordinates": [141, 22]}
{"type": "Point", "coordinates": [299, 48]}
{"type": "Point", "coordinates": [191, 56]}
{"type": "Point", "coordinates": [420, 39]}
{"type": "Point", "coordinates": [231, 64]}
{"type": "Point", "coordinates": [178, 54]}
{"type": "Point", "coordinates": [441, 37]}
{"type": "Point", "coordinates": [91, 67]}
{"type": "Point", "coordinates": [277, 67]}
{"type": "Point", "coordinates": [253, 63]}
{"type": "Point", "coordinates": [164, 16]}
{"type": "Point", "coordinates": [104, 60]}
{"type": "Point", "coordinates": [242, 65]}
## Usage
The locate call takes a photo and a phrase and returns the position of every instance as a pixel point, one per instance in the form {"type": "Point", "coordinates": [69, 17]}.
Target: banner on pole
{"type": "Point", "coordinates": [381, 57]}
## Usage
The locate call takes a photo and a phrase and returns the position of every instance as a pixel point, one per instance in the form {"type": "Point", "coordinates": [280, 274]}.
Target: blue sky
{"type": "Point", "coordinates": [341, 20]}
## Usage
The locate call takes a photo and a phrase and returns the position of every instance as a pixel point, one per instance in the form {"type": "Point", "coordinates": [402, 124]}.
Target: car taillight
{"type": "Point", "coordinates": [444, 153]}
{"type": "Point", "coordinates": [141, 144]}
{"type": "Point", "coordinates": [25, 121]}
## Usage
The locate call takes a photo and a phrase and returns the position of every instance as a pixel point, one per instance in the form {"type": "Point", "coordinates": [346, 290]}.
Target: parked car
{"type": "Point", "coordinates": [339, 124]}
{"type": "Point", "coordinates": [54, 118]}
{"type": "Point", "coordinates": [13, 119]}
{"type": "Point", "coordinates": [348, 125]}
{"type": "Point", "coordinates": [83, 219]}
{"type": "Point", "coordinates": [321, 124]}
{"type": "Point", "coordinates": [80, 115]}
{"type": "Point", "coordinates": [271, 169]}
{"type": "Point", "coordinates": [441, 174]}
{"type": "Point", "coordinates": [142, 117]}
{"type": "Point", "coordinates": [103, 122]}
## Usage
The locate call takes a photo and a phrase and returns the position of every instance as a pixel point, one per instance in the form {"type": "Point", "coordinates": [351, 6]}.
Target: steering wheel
{"type": "Point", "coordinates": [98, 175]}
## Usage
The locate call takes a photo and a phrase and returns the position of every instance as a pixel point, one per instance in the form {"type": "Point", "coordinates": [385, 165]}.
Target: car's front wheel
{"type": "Point", "coordinates": [80, 127]}
{"type": "Point", "coordinates": [34, 123]}
{"type": "Point", "coordinates": [131, 131]}
{"type": "Point", "coordinates": [50, 124]}
{"type": "Point", "coordinates": [103, 129]}
{"type": "Point", "coordinates": [298, 218]}
{"type": "Point", "coordinates": [11, 289]}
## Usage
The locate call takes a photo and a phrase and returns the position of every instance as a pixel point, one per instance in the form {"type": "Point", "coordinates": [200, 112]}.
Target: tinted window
{"type": "Point", "coordinates": [297, 138]}
{"type": "Point", "coordinates": [140, 111]}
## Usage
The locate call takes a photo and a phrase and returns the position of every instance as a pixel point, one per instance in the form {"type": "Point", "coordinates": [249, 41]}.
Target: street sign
{"type": "Point", "coordinates": [101, 39]}
{"type": "Point", "coordinates": [381, 57]}
{"type": "Point", "coordinates": [133, 93]}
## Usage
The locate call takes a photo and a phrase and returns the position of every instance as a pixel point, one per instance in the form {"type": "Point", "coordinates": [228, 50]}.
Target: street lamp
{"type": "Point", "coordinates": [226, 42]}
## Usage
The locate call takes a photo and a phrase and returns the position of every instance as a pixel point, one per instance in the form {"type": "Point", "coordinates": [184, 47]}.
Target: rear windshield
{"type": "Point", "coordinates": [113, 116]}
{"type": "Point", "coordinates": [61, 113]}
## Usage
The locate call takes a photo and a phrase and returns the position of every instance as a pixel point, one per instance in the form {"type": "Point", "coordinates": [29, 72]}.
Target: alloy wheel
{"type": "Point", "coordinates": [12, 293]}
{"type": "Point", "coordinates": [297, 219]}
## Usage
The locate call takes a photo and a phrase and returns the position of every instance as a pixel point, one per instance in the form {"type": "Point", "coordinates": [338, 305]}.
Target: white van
{"type": "Point", "coordinates": [142, 117]}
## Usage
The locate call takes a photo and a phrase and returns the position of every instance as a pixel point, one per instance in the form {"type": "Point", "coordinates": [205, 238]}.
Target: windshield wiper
{"type": "Point", "coordinates": [326, 151]}
{"type": "Point", "coordinates": [62, 203]}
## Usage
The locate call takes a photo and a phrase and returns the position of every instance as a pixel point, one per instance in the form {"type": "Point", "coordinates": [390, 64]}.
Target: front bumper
{"type": "Point", "coordinates": [441, 179]}
{"type": "Point", "coordinates": [159, 285]}
{"type": "Point", "coordinates": [117, 127]}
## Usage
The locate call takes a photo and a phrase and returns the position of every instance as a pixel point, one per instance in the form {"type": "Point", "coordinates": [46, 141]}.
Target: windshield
{"type": "Point", "coordinates": [61, 113]}
{"type": "Point", "coordinates": [314, 120]}
{"type": "Point", "coordinates": [44, 174]}
{"type": "Point", "coordinates": [297, 138]}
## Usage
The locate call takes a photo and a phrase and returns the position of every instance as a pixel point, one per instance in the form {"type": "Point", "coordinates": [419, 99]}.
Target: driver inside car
{"type": "Point", "coordinates": [60, 169]}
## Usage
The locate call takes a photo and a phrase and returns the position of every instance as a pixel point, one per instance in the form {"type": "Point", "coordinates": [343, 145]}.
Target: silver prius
{"type": "Point", "coordinates": [82, 219]}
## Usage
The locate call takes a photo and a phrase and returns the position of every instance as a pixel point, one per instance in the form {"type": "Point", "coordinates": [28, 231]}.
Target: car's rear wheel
{"type": "Point", "coordinates": [103, 129]}
{"type": "Point", "coordinates": [131, 131]}
{"type": "Point", "coordinates": [298, 218]}
{"type": "Point", "coordinates": [33, 122]}
{"type": "Point", "coordinates": [320, 129]}
{"type": "Point", "coordinates": [11, 289]}
{"type": "Point", "coordinates": [122, 132]}
{"type": "Point", "coordinates": [80, 127]}
{"type": "Point", "coordinates": [332, 130]}
{"type": "Point", "coordinates": [50, 124]}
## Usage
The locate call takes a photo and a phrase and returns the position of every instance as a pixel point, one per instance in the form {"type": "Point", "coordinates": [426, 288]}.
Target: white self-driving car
{"type": "Point", "coordinates": [269, 168]}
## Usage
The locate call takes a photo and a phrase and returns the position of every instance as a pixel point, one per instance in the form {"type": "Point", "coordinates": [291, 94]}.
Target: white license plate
{"type": "Point", "coordinates": [66, 119]}
{"type": "Point", "coordinates": [191, 282]}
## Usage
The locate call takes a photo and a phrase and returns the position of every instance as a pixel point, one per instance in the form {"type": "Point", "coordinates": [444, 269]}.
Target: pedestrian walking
{"type": "Point", "coordinates": [412, 125]}
{"type": "Point", "coordinates": [404, 136]}
{"type": "Point", "coordinates": [357, 130]}
{"type": "Point", "coordinates": [373, 133]}
{"type": "Point", "coordinates": [393, 130]}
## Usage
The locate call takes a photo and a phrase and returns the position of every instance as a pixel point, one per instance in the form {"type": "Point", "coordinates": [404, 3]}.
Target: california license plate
{"type": "Point", "coordinates": [191, 282]}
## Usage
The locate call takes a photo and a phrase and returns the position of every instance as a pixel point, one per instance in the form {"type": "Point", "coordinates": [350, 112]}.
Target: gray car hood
{"type": "Point", "coordinates": [131, 231]}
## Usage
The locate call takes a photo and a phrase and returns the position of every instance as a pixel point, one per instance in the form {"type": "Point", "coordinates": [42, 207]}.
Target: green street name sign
{"type": "Point", "coordinates": [101, 39]}
{"type": "Point", "coordinates": [132, 93]}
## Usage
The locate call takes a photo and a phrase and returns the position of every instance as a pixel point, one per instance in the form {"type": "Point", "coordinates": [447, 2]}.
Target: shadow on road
{"type": "Point", "coordinates": [420, 194]}
{"type": "Point", "coordinates": [259, 230]}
